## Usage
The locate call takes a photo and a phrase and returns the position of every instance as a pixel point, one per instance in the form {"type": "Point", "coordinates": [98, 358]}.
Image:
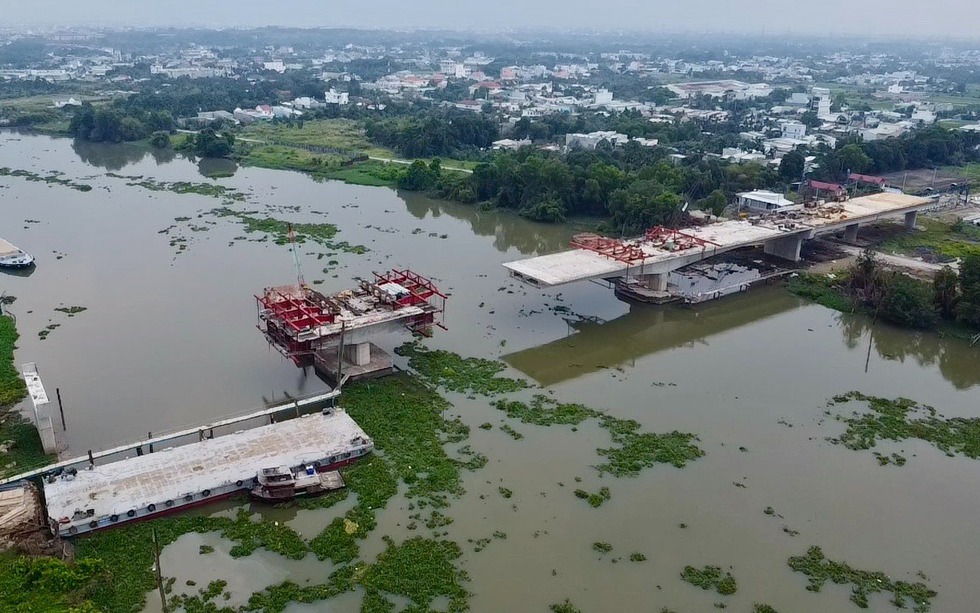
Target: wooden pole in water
{"type": "Point", "coordinates": [156, 558]}
{"type": "Point", "coordinates": [61, 409]}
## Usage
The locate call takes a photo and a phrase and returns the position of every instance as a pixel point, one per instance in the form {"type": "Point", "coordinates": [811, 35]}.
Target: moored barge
{"type": "Point", "coordinates": [178, 478]}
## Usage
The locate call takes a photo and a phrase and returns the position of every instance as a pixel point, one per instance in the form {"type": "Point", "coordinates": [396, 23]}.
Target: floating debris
{"type": "Point", "coordinates": [710, 577]}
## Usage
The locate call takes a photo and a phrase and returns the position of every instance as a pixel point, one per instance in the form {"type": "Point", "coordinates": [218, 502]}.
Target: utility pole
{"type": "Point", "coordinates": [156, 558]}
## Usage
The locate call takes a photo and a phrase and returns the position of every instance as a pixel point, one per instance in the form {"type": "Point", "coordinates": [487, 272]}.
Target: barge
{"type": "Point", "coordinates": [179, 478]}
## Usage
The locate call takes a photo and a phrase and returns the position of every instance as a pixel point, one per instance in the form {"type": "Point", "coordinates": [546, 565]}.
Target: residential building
{"type": "Point", "coordinates": [762, 201]}
{"type": "Point", "coordinates": [332, 96]}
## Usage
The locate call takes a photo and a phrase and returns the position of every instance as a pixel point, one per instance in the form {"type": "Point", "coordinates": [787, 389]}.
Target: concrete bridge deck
{"type": "Point", "coordinates": [781, 234]}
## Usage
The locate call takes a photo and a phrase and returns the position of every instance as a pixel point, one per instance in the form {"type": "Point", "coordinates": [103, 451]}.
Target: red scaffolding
{"type": "Point", "coordinates": [609, 247]}
{"type": "Point", "coordinates": [631, 252]}
{"type": "Point", "coordinates": [674, 240]}
{"type": "Point", "coordinates": [298, 320]}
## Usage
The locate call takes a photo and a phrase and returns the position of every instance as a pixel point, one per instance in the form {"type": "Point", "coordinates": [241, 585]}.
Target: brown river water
{"type": "Point", "coordinates": [168, 340]}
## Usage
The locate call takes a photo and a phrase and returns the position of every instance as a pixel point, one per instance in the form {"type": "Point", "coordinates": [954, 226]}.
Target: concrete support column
{"type": "Point", "coordinates": [787, 248]}
{"type": "Point", "coordinates": [851, 233]}
{"type": "Point", "coordinates": [359, 354]}
{"type": "Point", "coordinates": [657, 283]}
{"type": "Point", "coordinates": [910, 219]}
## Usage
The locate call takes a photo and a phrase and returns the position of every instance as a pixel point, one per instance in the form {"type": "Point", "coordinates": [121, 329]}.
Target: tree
{"type": "Point", "coordinates": [160, 140]}
{"type": "Point", "coordinates": [810, 119]}
{"type": "Point", "coordinates": [210, 144]}
{"type": "Point", "coordinates": [853, 158]}
{"type": "Point", "coordinates": [968, 308]}
{"type": "Point", "coordinates": [945, 295]}
{"type": "Point", "coordinates": [907, 303]}
{"type": "Point", "coordinates": [715, 202]}
{"type": "Point", "coordinates": [791, 166]}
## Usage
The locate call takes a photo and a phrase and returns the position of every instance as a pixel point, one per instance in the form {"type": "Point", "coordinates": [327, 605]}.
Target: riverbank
{"type": "Point", "coordinates": [20, 444]}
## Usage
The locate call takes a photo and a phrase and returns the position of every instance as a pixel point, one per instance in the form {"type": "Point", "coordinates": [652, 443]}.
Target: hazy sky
{"type": "Point", "coordinates": [874, 18]}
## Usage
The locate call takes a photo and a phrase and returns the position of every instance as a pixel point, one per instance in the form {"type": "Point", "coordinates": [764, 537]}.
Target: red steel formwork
{"type": "Point", "coordinates": [609, 247]}
{"type": "Point", "coordinates": [674, 240]}
{"type": "Point", "coordinates": [421, 292]}
{"type": "Point", "coordinates": [292, 317]}
{"type": "Point", "coordinates": [631, 252]}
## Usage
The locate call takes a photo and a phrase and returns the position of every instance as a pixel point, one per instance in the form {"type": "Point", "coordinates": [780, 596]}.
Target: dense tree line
{"type": "Point", "coordinates": [916, 304]}
{"type": "Point", "coordinates": [633, 187]}
{"type": "Point", "coordinates": [114, 125]}
{"type": "Point", "coordinates": [924, 148]}
{"type": "Point", "coordinates": [434, 134]}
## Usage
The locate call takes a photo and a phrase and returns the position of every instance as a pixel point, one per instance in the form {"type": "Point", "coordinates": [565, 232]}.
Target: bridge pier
{"type": "Point", "coordinates": [910, 219]}
{"type": "Point", "coordinates": [787, 248]}
{"type": "Point", "coordinates": [851, 233]}
{"type": "Point", "coordinates": [359, 354]}
{"type": "Point", "coordinates": [655, 282]}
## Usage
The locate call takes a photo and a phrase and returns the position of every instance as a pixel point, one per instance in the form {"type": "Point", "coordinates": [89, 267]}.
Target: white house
{"type": "Point", "coordinates": [762, 201]}
{"type": "Point", "coordinates": [334, 97]}
{"type": "Point", "coordinates": [603, 97]}
{"type": "Point", "coordinates": [793, 129]}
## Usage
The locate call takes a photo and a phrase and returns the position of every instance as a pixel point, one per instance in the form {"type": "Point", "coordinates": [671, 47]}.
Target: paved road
{"type": "Point", "coordinates": [397, 161]}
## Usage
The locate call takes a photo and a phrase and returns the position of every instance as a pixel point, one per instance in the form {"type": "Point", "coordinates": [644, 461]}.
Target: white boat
{"type": "Point", "coordinates": [14, 257]}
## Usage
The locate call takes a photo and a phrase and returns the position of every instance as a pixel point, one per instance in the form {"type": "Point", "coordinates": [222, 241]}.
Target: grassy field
{"type": "Point", "coordinates": [341, 134]}
{"type": "Point", "coordinates": [933, 236]}
{"type": "Point", "coordinates": [970, 171]}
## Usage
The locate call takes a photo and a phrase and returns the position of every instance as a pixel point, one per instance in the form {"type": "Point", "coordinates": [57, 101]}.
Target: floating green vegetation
{"type": "Point", "coordinates": [203, 601]}
{"type": "Point", "coordinates": [892, 419]}
{"type": "Point", "coordinates": [637, 557]}
{"type": "Point", "coordinates": [205, 549]}
{"type": "Point", "coordinates": [506, 493]}
{"type": "Point", "coordinates": [710, 577]}
{"type": "Point", "coordinates": [51, 179]}
{"type": "Point", "coordinates": [72, 310]}
{"type": "Point", "coordinates": [128, 556]}
{"type": "Point", "coordinates": [819, 569]}
{"type": "Point", "coordinates": [514, 434]}
{"type": "Point", "coordinates": [546, 411]}
{"type": "Point", "coordinates": [183, 187]}
{"type": "Point", "coordinates": [48, 329]}
{"type": "Point", "coordinates": [419, 569]}
{"type": "Point", "coordinates": [763, 608]}
{"type": "Point", "coordinates": [459, 374]}
{"type": "Point", "coordinates": [635, 450]}
{"type": "Point", "coordinates": [602, 547]}
{"type": "Point", "coordinates": [596, 499]}
{"type": "Point", "coordinates": [638, 450]}
{"type": "Point", "coordinates": [47, 585]}
{"type": "Point", "coordinates": [565, 607]}
{"type": "Point", "coordinates": [320, 233]}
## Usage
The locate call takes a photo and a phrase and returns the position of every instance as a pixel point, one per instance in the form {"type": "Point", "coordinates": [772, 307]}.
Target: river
{"type": "Point", "coordinates": [169, 340]}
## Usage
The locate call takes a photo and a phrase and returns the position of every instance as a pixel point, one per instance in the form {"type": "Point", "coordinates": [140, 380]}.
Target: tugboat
{"type": "Point", "coordinates": [279, 484]}
{"type": "Point", "coordinates": [14, 257]}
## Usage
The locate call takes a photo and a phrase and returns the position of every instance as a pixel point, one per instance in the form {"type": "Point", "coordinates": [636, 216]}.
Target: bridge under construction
{"type": "Point", "coordinates": [649, 259]}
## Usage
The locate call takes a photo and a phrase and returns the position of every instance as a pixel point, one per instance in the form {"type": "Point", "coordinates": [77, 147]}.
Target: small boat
{"type": "Point", "coordinates": [14, 257]}
{"type": "Point", "coordinates": [279, 484]}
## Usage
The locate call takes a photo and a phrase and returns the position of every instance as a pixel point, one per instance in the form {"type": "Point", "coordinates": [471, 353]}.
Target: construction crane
{"type": "Point", "coordinates": [292, 246]}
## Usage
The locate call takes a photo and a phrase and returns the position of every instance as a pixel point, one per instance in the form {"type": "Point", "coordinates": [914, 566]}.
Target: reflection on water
{"type": "Point", "coordinates": [509, 230]}
{"type": "Point", "coordinates": [593, 345]}
{"type": "Point", "coordinates": [115, 157]}
{"type": "Point", "coordinates": [214, 168]}
{"type": "Point", "coordinates": [956, 360]}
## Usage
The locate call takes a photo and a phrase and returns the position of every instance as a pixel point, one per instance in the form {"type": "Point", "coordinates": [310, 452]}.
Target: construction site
{"type": "Point", "coordinates": [640, 267]}
{"type": "Point", "coordinates": [333, 333]}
